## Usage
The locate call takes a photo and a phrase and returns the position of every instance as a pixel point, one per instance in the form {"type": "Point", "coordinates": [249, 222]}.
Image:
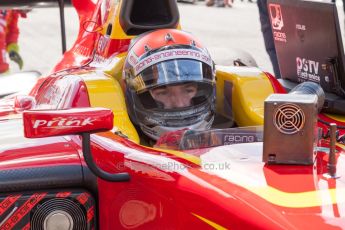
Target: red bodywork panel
{"type": "Point", "coordinates": [20, 152]}
{"type": "Point", "coordinates": [168, 191]}
{"type": "Point", "coordinates": [190, 190]}
{"type": "Point", "coordinates": [277, 87]}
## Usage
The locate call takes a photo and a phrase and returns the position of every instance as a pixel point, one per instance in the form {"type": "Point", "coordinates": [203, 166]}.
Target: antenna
{"type": "Point", "coordinates": [332, 165]}
{"type": "Point", "coordinates": [62, 24]}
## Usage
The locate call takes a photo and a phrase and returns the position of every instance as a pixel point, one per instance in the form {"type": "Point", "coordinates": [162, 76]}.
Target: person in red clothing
{"type": "Point", "coordinates": [8, 38]}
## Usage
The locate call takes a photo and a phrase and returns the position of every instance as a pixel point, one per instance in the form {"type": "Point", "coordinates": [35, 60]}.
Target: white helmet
{"type": "Point", "coordinates": [170, 83]}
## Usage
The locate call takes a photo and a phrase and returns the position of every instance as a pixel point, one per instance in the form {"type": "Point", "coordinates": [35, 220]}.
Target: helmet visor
{"type": "Point", "coordinates": [172, 72]}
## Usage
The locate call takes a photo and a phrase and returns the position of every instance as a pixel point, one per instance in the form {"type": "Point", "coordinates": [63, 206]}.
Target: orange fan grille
{"type": "Point", "coordinates": [289, 118]}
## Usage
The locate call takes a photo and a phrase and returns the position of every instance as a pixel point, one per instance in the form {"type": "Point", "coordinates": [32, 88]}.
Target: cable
{"type": "Point", "coordinates": [328, 123]}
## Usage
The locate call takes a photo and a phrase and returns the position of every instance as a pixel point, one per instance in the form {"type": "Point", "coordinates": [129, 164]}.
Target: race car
{"type": "Point", "coordinates": [72, 159]}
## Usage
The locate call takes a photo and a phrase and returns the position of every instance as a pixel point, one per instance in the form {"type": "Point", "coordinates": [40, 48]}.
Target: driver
{"type": "Point", "coordinates": [170, 83]}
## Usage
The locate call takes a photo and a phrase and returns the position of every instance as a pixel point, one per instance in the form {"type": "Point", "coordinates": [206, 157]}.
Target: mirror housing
{"type": "Point", "coordinates": [82, 121]}
{"type": "Point", "coordinates": [45, 123]}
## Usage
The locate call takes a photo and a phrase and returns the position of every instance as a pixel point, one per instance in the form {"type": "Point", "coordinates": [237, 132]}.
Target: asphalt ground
{"type": "Point", "coordinates": [224, 31]}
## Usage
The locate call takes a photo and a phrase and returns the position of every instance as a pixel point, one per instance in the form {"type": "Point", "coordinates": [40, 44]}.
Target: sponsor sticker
{"type": "Point", "coordinates": [62, 123]}
{"type": "Point", "coordinates": [276, 16]}
{"type": "Point", "coordinates": [307, 70]}
{"type": "Point", "coordinates": [277, 22]}
{"type": "Point", "coordinates": [169, 55]}
{"type": "Point", "coordinates": [103, 44]}
{"type": "Point", "coordinates": [300, 27]}
{"type": "Point", "coordinates": [238, 138]}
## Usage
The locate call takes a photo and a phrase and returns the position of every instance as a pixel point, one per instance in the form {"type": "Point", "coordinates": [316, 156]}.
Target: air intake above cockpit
{"type": "Point", "coordinates": [139, 16]}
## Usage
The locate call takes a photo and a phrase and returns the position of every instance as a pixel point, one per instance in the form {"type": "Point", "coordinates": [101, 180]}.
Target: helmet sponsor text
{"type": "Point", "coordinates": [169, 55]}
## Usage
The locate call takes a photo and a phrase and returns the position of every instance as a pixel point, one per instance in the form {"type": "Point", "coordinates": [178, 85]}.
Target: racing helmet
{"type": "Point", "coordinates": [170, 82]}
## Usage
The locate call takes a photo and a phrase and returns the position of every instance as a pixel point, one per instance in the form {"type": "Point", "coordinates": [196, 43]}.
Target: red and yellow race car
{"type": "Point", "coordinates": [71, 158]}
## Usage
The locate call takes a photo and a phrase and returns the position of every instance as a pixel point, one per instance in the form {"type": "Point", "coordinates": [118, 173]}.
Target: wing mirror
{"type": "Point", "coordinates": [79, 121]}
{"type": "Point", "coordinates": [45, 123]}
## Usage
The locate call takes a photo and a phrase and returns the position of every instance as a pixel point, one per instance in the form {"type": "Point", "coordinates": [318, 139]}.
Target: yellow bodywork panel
{"type": "Point", "coordinates": [114, 68]}
{"type": "Point", "coordinates": [117, 31]}
{"type": "Point", "coordinates": [105, 91]}
{"type": "Point", "coordinates": [336, 117]}
{"type": "Point", "coordinates": [244, 90]}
